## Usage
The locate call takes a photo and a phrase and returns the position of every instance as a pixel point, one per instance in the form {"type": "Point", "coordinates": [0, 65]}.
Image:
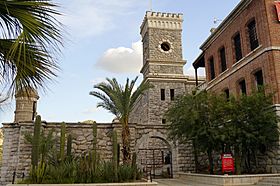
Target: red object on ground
{"type": "Point", "coordinates": [227, 163]}
{"type": "Point", "coordinates": [277, 4]}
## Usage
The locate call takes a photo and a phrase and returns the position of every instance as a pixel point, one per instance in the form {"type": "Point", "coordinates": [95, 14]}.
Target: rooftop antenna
{"type": "Point", "coordinates": [150, 5]}
{"type": "Point", "coordinates": [216, 20]}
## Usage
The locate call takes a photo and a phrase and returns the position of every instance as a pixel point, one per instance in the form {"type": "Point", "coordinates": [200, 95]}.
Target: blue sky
{"type": "Point", "coordinates": [103, 40]}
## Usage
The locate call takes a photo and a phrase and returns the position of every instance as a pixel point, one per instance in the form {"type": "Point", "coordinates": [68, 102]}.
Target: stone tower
{"type": "Point", "coordinates": [162, 65]}
{"type": "Point", "coordinates": [163, 68]}
{"type": "Point", "coordinates": [162, 45]}
{"type": "Point", "coordinates": [26, 103]}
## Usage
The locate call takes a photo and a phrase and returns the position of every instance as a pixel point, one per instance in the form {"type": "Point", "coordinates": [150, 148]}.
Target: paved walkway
{"type": "Point", "coordinates": [175, 182]}
{"type": "Point", "coordinates": [179, 182]}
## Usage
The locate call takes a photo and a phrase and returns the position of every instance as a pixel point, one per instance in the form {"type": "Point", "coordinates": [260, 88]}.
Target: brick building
{"type": "Point", "coordinates": [244, 51]}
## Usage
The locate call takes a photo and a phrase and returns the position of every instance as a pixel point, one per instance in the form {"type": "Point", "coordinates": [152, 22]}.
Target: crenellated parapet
{"type": "Point", "coordinates": [162, 21]}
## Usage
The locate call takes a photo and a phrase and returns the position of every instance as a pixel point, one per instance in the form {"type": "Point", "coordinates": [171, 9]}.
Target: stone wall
{"type": "Point", "coordinates": [17, 151]}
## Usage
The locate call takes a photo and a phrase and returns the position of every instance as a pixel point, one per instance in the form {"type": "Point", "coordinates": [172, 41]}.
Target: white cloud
{"type": "Point", "coordinates": [121, 59]}
{"type": "Point", "coordinates": [89, 18]}
{"type": "Point", "coordinates": [191, 72]}
{"type": "Point", "coordinates": [90, 111]}
{"type": "Point", "coordinates": [97, 80]}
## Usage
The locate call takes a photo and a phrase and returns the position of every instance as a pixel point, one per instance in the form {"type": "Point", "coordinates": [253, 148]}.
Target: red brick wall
{"type": "Point", "coordinates": [268, 31]}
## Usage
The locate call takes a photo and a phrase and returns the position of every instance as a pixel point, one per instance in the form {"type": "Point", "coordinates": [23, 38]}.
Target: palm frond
{"type": "Point", "coordinates": [31, 41]}
{"type": "Point", "coordinates": [116, 98]}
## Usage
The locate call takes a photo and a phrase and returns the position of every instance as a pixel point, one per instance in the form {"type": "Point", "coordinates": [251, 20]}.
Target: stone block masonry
{"type": "Point", "coordinates": [17, 151]}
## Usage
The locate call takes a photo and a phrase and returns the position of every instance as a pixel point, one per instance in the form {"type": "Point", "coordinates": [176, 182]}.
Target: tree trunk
{"type": "Point", "coordinates": [195, 155]}
{"type": "Point", "coordinates": [210, 159]}
{"type": "Point", "coordinates": [237, 158]}
{"type": "Point", "coordinates": [126, 142]}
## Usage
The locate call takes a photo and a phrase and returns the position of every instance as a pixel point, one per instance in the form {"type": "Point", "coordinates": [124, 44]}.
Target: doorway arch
{"type": "Point", "coordinates": [155, 156]}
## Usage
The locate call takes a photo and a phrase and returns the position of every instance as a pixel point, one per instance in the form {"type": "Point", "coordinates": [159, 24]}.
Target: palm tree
{"type": "Point", "coordinates": [30, 40]}
{"type": "Point", "coordinates": [119, 101]}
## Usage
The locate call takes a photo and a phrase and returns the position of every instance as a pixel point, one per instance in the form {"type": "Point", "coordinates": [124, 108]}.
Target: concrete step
{"type": "Point", "coordinates": [178, 182]}
{"type": "Point", "coordinates": [267, 184]}
{"type": "Point", "coordinates": [272, 181]}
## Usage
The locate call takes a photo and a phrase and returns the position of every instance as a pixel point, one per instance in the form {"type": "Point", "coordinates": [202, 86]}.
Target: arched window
{"type": "Point", "coordinates": [258, 75]}
{"type": "Point", "coordinates": [226, 92]}
{"type": "Point", "coordinates": [242, 87]}
{"type": "Point", "coordinates": [212, 68]}
{"type": "Point", "coordinates": [252, 33]}
{"type": "Point", "coordinates": [237, 47]}
{"type": "Point", "coordinates": [223, 60]}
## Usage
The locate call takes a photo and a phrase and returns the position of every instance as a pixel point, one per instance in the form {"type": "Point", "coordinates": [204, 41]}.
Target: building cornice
{"type": "Point", "coordinates": [149, 62]}
{"type": "Point", "coordinates": [225, 23]}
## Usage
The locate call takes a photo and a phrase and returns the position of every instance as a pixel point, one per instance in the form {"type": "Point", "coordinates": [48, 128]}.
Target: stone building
{"type": "Point", "coordinates": [244, 52]}
{"type": "Point", "coordinates": [163, 68]}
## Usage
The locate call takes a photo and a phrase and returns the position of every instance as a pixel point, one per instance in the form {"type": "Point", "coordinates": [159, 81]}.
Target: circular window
{"type": "Point", "coordinates": [165, 46]}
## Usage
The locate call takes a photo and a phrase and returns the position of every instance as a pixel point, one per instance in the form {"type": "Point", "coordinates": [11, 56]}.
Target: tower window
{"type": "Point", "coordinates": [259, 78]}
{"type": "Point", "coordinates": [163, 121]}
{"type": "Point", "coordinates": [172, 94]}
{"type": "Point", "coordinates": [237, 47]}
{"type": "Point", "coordinates": [165, 46]}
{"type": "Point", "coordinates": [212, 68]}
{"type": "Point", "coordinates": [223, 59]}
{"type": "Point", "coordinates": [242, 86]}
{"type": "Point", "coordinates": [34, 108]}
{"type": "Point", "coordinates": [162, 94]}
{"type": "Point", "coordinates": [253, 37]}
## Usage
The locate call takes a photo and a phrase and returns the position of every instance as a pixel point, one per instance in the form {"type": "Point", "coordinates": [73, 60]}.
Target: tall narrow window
{"type": "Point", "coordinates": [172, 94]}
{"type": "Point", "coordinates": [237, 47]}
{"type": "Point", "coordinates": [253, 37]}
{"type": "Point", "coordinates": [242, 86]}
{"type": "Point", "coordinates": [162, 94]}
{"type": "Point", "coordinates": [212, 68]}
{"type": "Point", "coordinates": [223, 59]}
{"type": "Point", "coordinates": [226, 91]}
{"type": "Point", "coordinates": [259, 78]}
{"type": "Point", "coordinates": [163, 121]}
{"type": "Point", "coordinates": [34, 110]}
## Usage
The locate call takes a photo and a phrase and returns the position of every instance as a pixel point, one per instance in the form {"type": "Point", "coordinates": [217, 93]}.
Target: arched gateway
{"type": "Point", "coordinates": [155, 156]}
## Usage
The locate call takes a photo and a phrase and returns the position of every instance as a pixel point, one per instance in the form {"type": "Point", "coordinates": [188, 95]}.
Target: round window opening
{"type": "Point", "coordinates": [165, 46]}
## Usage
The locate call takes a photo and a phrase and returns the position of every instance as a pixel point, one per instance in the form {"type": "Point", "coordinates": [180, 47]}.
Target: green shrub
{"type": "Point", "coordinates": [37, 174]}
{"type": "Point", "coordinates": [125, 173]}
{"type": "Point", "coordinates": [63, 172]}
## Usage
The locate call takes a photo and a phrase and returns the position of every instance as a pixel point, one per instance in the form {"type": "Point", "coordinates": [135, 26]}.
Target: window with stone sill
{"type": "Point", "coordinates": [252, 33]}
{"type": "Point", "coordinates": [237, 47]}
{"type": "Point", "coordinates": [258, 79]}
{"type": "Point", "coordinates": [223, 61]}
{"type": "Point", "coordinates": [212, 68]}
{"type": "Point", "coordinates": [226, 92]}
{"type": "Point", "coordinates": [242, 87]}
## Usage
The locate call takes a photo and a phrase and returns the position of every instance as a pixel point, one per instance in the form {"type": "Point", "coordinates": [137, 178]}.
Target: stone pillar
{"type": "Point", "coordinates": [10, 152]}
{"type": "Point", "coordinates": [273, 162]}
{"type": "Point", "coordinates": [26, 103]}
